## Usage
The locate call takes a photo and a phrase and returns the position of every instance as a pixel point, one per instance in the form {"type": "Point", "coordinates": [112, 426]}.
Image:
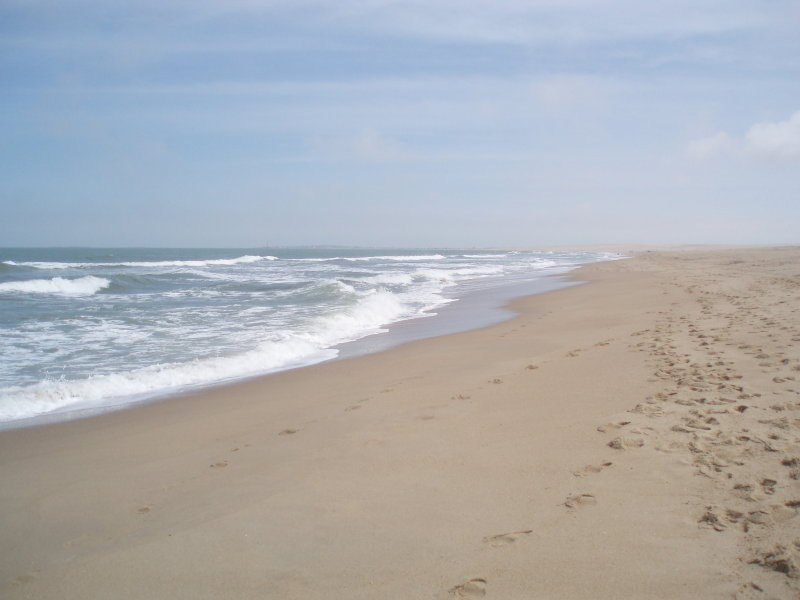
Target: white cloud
{"type": "Point", "coordinates": [781, 139]}
{"type": "Point", "coordinates": [768, 140]}
{"type": "Point", "coordinates": [710, 146]}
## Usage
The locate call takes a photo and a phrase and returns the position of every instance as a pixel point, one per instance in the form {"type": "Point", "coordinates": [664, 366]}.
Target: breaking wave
{"type": "Point", "coordinates": [286, 349]}
{"type": "Point", "coordinates": [154, 263]}
{"type": "Point", "coordinates": [82, 286]}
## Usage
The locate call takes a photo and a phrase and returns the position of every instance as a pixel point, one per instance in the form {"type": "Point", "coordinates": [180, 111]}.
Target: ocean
{"type": "Point", "coordinates": [84, 329]}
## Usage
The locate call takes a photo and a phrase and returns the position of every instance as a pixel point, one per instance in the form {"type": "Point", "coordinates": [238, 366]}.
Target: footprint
{"type": "Point", "coordinates": [425, 417]}
{"type": "Point", "coordinates": [146, 509]}
{"type": "Point", "coordinates": [623, 443]}
{"type": "Point", "coordinates": [718, 518]}
{"type": "Point", "coordinates": [760, 517]}
{"type": "Point", "coordinates": [778, 559]}
{"type": "Point", "coordinates": [580, 500]}
{"type": "Point", "coordinates": [750, 591]}
{"type": "Point", "coordinates": [354, 407]}
{"type": "Point", "coordinates": [496, 380]}
{"type": "Point", "coordinates": [588, 469]}
{"type": "Point", "coordinates": [219, 465]}
{"type": "Point", "coordinates": [504, 539]}
{"type": "Point", "coordinates": [288, 432]}
{"type": "Point", "coordinates": [768, 485]}
{"type": "Point", "coordinates": [532, 367]}
{"type": "Point", "coordinates": [474, 588]}
{"type": "Point", "coordinates": [610, 426]}
{"type": "Point", "coordinates": [648, 410]}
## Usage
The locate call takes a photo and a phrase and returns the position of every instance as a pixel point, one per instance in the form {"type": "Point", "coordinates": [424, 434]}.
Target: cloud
{"type": "Point", "coordinates": [769, 140]}
{"type": "Point", "coordinates": [709, 147]}
{"type": "Point", "coordinates": [518, 21]}
{"type": "Point", "coordinates": [506, 21]}
{"type": "Point", "coordinates": [781, 139]}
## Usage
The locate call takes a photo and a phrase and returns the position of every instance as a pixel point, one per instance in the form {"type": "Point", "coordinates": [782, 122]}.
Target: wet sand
{"type": "Point", "coordinates": [635, 437]}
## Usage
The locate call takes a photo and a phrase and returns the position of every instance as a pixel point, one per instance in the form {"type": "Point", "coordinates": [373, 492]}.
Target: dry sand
{"type": "Point", "coordinates": [636, 437]}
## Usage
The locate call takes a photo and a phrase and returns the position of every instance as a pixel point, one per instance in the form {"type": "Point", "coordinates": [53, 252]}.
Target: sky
{"type": "Point", "coordinates": [406, 123]}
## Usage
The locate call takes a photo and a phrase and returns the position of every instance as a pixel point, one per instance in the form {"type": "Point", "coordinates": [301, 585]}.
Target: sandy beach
{"type": "Point", "coordinates": [634, 437]}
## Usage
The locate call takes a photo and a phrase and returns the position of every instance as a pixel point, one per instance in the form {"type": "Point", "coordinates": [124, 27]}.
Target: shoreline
{"type": "Point", "coordinates": [473, 310]}
{"type": "Point", "coordinates": [564, 452]}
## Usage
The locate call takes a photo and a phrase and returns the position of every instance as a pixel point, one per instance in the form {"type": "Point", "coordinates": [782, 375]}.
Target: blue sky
{"type": "Point", "coordinates": [399, 123]}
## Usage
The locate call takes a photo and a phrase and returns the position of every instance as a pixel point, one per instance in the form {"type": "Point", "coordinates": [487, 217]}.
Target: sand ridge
{"type": "Point", "coordinates": [634, 437]}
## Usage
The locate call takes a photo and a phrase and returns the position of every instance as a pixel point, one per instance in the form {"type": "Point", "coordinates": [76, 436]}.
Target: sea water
{"type": "Point", "coordinates": [87, 328]}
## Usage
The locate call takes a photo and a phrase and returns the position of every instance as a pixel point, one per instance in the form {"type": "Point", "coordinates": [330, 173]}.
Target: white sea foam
{"type": "Point", "coordinates": [450, 277]}
{"type": "Point", "coordinates": [412, 258]}
{"type": "Point", "coordinates": [483, 255]}
{"type": "Point", "coordinates": [289, 348]}
{"type": "Point", "coordinates": [47, 265]}
{"type": "Point", "coordinates": [542, 263]}
{"type": "Point", "coordinates": [391, 279]}
{"type": "Point", "coordinates": [59, 395]}
{"type": "Point", "coordinates": [409, 258]}
{"type": "Point", "coordinates": [146, 264]}
{"type": "Point", "coordinates": [376, 309]}
{"type": "Point", "coordinates": [345, 287]}
{"type": "Point", "coordinates": [82, 286]}
{"type": "Point", "coordinates": [199, 263]}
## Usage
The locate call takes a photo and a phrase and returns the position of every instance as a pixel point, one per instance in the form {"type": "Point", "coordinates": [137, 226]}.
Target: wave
{"type": "Point", "coordinates": [9, 266]}
{"type": "Point", "coordinates": [396, 258]}
{"type": "Point", "coordinates": [198, 263]}
{"type": "Point", "coordinates": [451, 276]}
{"type": "Point", "coordinates": [309, 345]}
{"type": "Point", "coordinates": [543, 263]}
{"type": "Point", "coordinates": [409, 258]}
{"type": "Point", "coordinates": [46, 265]}
{"type": "Point", "coordinates": [444, 277]}
{"type": "Point", "coordinates": [391, 279]}
{"type": "Point", "coordinates": [82, 286]}
{"type": "Point", "coordinates": [484, 255]}
{"type": "Point", "coordinates": [153, 263]}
